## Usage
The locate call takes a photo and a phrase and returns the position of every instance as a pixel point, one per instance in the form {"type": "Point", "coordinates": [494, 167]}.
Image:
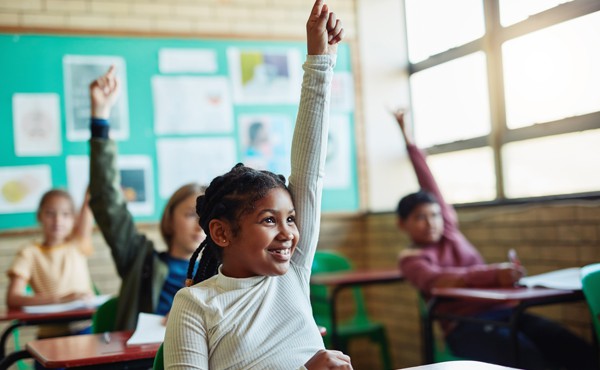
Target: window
{"type": "Point", "coordinates": [506, 96]}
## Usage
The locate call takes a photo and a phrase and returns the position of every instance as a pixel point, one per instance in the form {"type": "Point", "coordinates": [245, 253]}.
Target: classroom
{"type": "Point", "coordinates": [503, 97]}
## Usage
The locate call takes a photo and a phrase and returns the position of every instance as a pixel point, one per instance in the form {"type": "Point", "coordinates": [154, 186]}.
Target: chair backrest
{"type": "Point", "coordinates": [329, 261]}
{"type": "Point", "coordinates": [105, 317]}
{"type": "Point", "coordinates": [159, 363]}
{"type": "Point", "coordinates": [590, 281]}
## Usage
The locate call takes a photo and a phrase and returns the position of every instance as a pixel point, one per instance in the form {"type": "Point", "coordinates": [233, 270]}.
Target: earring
{"type": "Point", "coordinates": [224, 240]}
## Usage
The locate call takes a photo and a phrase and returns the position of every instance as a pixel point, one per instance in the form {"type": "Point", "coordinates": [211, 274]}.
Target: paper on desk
{"type": "Point", "coordinates": [568, 279]}
{"type": "Point", "coordinates": [78, 304]}
{"type": "Point", "coordinates": [149, 329]}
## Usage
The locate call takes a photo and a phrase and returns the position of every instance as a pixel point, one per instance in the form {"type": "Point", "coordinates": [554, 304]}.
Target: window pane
{"type": "Point", "coordinates": [450, 101]}
{"type": "Point", "coordinates": [513, 11]}
{"type": "Point", "coordinates": [553, 73]}
{"type": "Point", "coordinates": [465, 176]}
{"type": "Point", "coordinates": [434, 26]}
{"type": "Point", "coordinates": [561, 164]}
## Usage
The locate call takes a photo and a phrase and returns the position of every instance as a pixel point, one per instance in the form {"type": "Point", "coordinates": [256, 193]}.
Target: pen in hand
{"type": "Point", "coordinates": [106, 337]}
{"type": "Point", "coordinates": [512, 257]}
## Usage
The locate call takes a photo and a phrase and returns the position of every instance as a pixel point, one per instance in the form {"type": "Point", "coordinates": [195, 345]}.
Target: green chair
{"type": "Point", "coordinates": [590, 281]}
{"type": "Point", "coordinates": [159, 363]}
{"type": "Point", "coordinates": [105, 316]}
{"type": "Point", "coordinates": [359, 324]}
{"type": "Point", "coordinates": [439, 352]}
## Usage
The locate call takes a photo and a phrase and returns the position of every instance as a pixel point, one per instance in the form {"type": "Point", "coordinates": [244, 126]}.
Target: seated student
{"type": "Point", "coordinates": [440, 255]}
{"type": "Point", "coordinates": [251, 308]}
{"type": "Point", "coordinates": [149, 279]}
{"type": "Point", "coordinates": [56, 268]}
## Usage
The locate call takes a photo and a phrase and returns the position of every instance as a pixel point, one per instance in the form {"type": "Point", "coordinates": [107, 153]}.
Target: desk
{"type": "Point", "coordinates": [524, 297]}
{"type": "Point", "coordinates": [91, 351]}
{"type": "Point", "coordinates": [21, 318]}
{"type": "Point", "coordinates": [340, 280]}
{"type": "Point", "coordinates": [460, 365]}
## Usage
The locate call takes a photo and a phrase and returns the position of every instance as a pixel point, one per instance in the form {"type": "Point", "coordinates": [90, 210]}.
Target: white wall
{"type": "Point", "coordinates": [385, 84]}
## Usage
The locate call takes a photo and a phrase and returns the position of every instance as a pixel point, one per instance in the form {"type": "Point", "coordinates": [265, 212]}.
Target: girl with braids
{"type": "Point", "coordinates": [149, 279]}
{"type": "Point", "coordinates": [250, 306]}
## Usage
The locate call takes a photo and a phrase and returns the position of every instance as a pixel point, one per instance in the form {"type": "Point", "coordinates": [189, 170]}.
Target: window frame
{"type": "Point", "coordinates": [491, 44]}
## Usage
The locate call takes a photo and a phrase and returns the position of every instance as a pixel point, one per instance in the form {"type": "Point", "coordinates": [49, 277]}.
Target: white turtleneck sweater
{"type": "Point", "coordinates": [264, 322]}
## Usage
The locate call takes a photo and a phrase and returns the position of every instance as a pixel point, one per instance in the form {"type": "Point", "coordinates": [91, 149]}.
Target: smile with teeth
{"type": "Point", "coordinates": [282, 252]}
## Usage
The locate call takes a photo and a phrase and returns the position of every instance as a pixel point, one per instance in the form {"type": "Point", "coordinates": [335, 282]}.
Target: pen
{"type": "Point", "coordinates": [512, 257]}
{"type": "Point", "coordinates": [106, 337]}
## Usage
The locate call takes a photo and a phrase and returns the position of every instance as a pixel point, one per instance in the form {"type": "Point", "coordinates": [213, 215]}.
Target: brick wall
{"type": "Point", "coordinates": [236, 18]}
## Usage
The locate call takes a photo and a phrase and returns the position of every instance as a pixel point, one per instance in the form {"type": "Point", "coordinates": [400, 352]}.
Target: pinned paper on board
{"type": "Point", "coordinates": [187, 60]}
{"type": "Point", "coordinates": [266, 142]}
{"type": "Point", "coordinates": [136, 175]}
{"type": "Point", "coordinates": [22, 187]}
{"type": "Point", "coordinates": [191, 105]}
{"type": "Point", "coordinates": [36, 124]}
{"type": "Point", "coordinates": [261, 76]}
{"type": "Point", "coordinates": [181, 161]}
{"type": "Point", "coordinates": [338, 160]}
{"type": "Point", "coordinates": [79, 72]}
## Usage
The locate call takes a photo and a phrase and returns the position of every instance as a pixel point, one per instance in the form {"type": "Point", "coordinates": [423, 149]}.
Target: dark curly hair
{"type": "Point", "coordinates": [228, 197]}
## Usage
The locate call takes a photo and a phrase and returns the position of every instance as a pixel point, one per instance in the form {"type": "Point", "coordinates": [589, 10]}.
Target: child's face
{"type": "Point", "coordinates": [424, 224]}
{"type": "Point", "coordinates": [187, 233]}
{"type": "Point", "coordinates": [57, 219]}
{"type": "Point", "coordinates": [266, 239]}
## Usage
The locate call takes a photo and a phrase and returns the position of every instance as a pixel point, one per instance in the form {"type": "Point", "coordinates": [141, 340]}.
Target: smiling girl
{"type": "Point", "coordinates": [251, 308]}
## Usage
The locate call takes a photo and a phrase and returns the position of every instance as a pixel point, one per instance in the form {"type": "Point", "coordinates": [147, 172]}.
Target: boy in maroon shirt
{"type": "Point", "coordinates": [441, 256]}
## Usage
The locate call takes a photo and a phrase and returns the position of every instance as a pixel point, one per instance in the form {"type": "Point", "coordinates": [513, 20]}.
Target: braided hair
{"type": "Point", "coordinates": [228, 197]}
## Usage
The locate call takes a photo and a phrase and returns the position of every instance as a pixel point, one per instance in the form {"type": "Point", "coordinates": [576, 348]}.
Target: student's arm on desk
{"type": "Point", "coordinates": [16, 297]}
{"type": "Point", "coordinates": [425, 275]}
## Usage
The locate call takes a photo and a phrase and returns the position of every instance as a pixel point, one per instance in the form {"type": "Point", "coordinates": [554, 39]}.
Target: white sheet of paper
{"type": "Point", "coordinates": [68, 306]}
{"type": "Point", "coordinates": [181, 161]}
{"type": "Point", "coordinates": [22, 187]}
{"type": "Point", "coordinates": [568, 279]}
{"type": "Point", "coordinates": [187, 60]}
{"type": "Point", "coordinates": [36, 122]}
{"type": "Point", "coordinates": [149, 329]}
{"type": "Point", "coordinates": [184, 105]}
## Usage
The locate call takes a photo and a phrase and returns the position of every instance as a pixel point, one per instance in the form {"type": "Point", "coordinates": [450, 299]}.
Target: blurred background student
{"type": "Point", "coordinates": [55, 269]}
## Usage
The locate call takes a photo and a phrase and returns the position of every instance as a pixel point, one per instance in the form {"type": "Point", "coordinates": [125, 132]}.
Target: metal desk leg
{"type": "Point", "coordinates": [427, 332]}
{"type": "Point", "coordinates": [334, 335]}
{"type": "Point", "coordinates": [12, 358]}
{"type": "Point", "coordinates": [7, 332]}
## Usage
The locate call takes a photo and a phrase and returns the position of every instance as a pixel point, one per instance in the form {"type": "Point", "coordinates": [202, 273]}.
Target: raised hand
{"type": "Point", "coordinates": [327, 359]}
{"type": "Point", "coordinates": [399, 116]}
{"type": "Point", "coordinates": [323, 30]}
{"type": "Point", "coordinates": [103, 94]}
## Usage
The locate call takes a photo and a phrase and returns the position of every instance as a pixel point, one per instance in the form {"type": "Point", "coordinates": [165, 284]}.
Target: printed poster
{"type": "Point", "coordinates": [22, 187]}
{"type": "Point", "coordinates": [266, 142]}
{"type": "Point", "coordinates": [79, 72]}
{"type": "Point", "coordinates": [137, 181]}
{"type": "Point", "coordinates": [265, 76]}
{"type": "Point", "coordinates": [36, 124]}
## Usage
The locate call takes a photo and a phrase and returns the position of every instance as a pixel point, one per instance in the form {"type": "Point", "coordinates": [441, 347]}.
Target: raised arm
{"type": "Point", "coordinates": [106, 198]}
{"type": "Point", "coordinates": [309, 145]}
{"type": "Point", "coordinates": [423, 172]}
{"type": "Point", "coordinates": [84, 225]}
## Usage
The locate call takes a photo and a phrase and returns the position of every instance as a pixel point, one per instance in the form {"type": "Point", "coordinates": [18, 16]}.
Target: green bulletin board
{"type": "Point", "coordinates": [35, 64]}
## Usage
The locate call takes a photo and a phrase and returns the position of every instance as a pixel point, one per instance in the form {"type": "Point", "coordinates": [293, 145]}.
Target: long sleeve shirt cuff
{"type": "Point", "coordinates": [100, 128]}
